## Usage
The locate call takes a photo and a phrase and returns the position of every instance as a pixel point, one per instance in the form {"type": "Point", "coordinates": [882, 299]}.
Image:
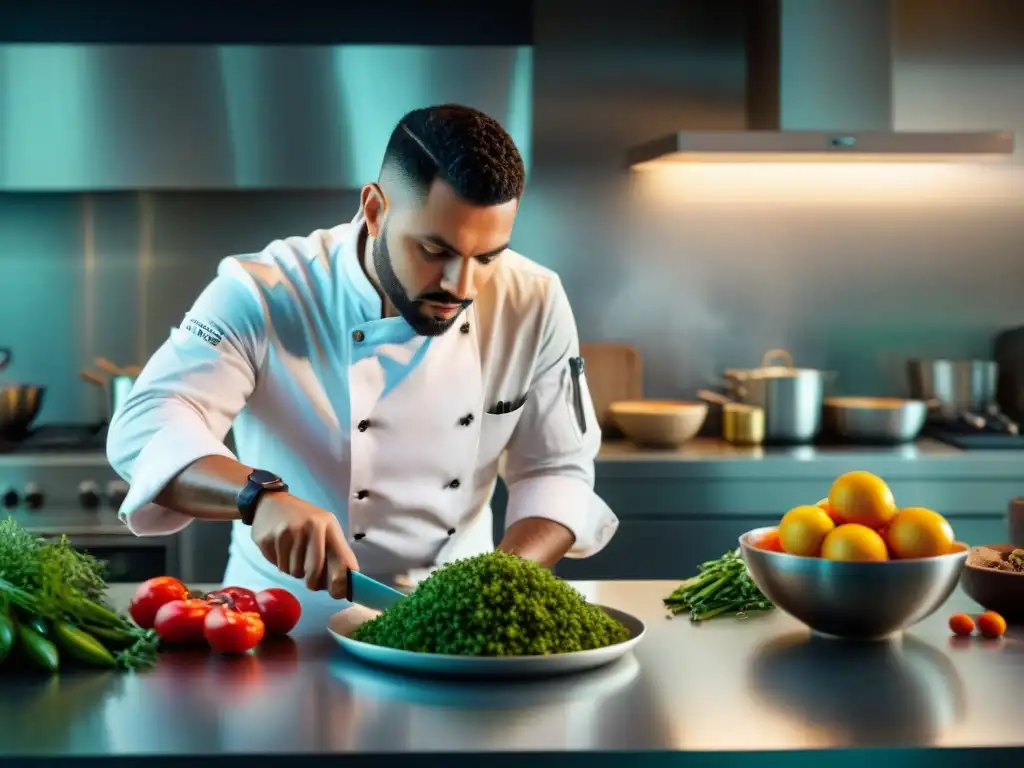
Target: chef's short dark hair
{"type": "Point", "coordinates": [467, 149]}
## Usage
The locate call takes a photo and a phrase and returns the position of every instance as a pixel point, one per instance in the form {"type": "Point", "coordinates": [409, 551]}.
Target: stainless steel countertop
{"type": "Point", "coordinates": [713, 458]}
{"type": "Point", "coordinates": [759, 686]}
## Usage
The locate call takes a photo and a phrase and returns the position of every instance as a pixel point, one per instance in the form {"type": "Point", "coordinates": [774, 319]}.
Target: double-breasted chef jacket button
{"type": "Point", "coordinates": [359, 536]}
{"type": "Point", "coordinates": [466, 420]}
{"type": "Point", "coordinates": [464, 328]}
{"type": "Point", "coordinates": [451, 531]}
{"type": "Point", "coordinates": [363, 425]}
{"type": "Point", "coordinates": [358, 336]}
{"type": "Point", "coordinates": [454, 484]}
{"type": "Point", "coordinates": [362, 494]}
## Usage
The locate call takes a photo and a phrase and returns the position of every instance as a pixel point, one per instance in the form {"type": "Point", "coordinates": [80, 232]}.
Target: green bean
{"type": "Point", "coordinates": [721, 586]}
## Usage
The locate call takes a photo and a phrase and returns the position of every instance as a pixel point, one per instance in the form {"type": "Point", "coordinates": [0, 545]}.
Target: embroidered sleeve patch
{"type": "Point", "coordinates": [202, 331]}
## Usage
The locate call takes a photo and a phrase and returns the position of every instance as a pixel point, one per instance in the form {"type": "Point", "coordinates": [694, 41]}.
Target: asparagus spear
{"type": "Point", "coordinates": [720, 586]}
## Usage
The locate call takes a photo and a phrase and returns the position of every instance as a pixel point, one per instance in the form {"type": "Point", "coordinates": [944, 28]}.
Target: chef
{"type": "Point", "coordinates": [374, 375]}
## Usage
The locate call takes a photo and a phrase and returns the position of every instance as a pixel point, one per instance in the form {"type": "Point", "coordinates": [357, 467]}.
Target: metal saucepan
{"type": "Point", "coordinates": [874, 419]}
{"type": "Point", "coordinates": [960, 390]}
{"type": "Point", "coordinates": [741, 424]}
{"type": "Point", "coordinates": [959, 386]}
{"type": "Point", "coordinates": [791, 397]}
{"type": "Point", "coordinates": [19, 403]}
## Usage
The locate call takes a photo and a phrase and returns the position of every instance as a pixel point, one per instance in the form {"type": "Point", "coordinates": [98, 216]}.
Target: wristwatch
{"type": "Point", "coordinates": [260, 482]}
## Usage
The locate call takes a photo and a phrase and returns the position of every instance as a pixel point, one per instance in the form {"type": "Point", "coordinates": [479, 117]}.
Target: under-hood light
{"type": "Point", "coordinates": [816, 146]}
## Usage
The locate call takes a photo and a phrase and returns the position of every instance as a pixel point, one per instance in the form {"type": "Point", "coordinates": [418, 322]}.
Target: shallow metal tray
{"type": "Point", "coordinates": [343, 624]}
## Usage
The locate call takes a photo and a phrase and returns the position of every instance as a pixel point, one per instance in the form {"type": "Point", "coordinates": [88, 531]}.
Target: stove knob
{"type": "Point", "coordinates": [10, 498]}
{"type": "Point", "coordinates": [117, 492]}
{"type": "Point", "coordinates": [34, 497]}
{"type": "Point", "coordinates": [89, 495]}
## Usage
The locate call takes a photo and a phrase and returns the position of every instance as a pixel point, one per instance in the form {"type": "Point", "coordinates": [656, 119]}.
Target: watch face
{"type": "Point", "coordinates": [263, 477]}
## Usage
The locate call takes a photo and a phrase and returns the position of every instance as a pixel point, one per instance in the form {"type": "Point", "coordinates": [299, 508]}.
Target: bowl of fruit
{"type": "Point", "coordinates": [855, 565]}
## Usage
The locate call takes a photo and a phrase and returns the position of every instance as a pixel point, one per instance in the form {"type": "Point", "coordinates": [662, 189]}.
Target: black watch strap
{"type": "Point", "coordinates": [260, 482]}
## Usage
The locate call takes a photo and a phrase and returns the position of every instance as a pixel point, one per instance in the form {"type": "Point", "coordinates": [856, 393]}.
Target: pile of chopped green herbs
{"type": "Point", "coordinates": [721, 586]}
{"type": "Point", "coordinates": [48, 586]}
{"type": "Point", "coordinates": [494, 604]}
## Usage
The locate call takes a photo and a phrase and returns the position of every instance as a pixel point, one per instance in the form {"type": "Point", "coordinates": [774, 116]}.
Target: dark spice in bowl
{"type": "Point", "coordinates": [994, 578]}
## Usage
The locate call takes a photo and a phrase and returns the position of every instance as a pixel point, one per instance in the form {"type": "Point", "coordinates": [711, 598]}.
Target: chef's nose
{"type": "Point", "coordinates": [458, 278]}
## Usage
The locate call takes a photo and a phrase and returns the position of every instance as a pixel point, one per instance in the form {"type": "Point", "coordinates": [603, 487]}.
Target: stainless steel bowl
{"type": "Point", "coordinates": [880, 419]}
{"type": "Point", "coordinates": [19, 406]}
{"type": "Point", "coordinates": [853, 601]}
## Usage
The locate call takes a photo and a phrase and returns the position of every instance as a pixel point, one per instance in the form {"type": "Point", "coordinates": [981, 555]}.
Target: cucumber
{"type": "Point", "coordinates": [40, 651]}
{"type": "Point", "coordinates": [8, 632]}
{"type": "Point", "coordinates": [38, 624]}
{"type": "Point", "coordinates": [81, 646]}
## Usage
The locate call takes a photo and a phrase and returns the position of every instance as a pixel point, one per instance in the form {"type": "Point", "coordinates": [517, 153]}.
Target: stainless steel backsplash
{"type": "Point", "coordinates": [853, 269]}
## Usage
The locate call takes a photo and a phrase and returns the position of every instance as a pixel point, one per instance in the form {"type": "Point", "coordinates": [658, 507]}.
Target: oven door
{"type": "Point", "coordinates": [129, 559]}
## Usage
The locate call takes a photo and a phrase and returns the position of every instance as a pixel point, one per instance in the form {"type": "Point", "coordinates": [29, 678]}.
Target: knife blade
{"type": "Point", "coordinates": [368, 592]}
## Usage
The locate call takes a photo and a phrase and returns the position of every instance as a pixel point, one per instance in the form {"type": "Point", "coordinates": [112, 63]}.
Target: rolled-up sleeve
{"type": "Point", "coordinates": [549, 466]}
{"type": "Point", "coordinates": [187, 396]}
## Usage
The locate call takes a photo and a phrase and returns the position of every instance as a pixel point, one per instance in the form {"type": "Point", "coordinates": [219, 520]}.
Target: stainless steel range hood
{"type": "Point", "coordinates": [819, 88]}
{"type": "Point", "coordinates": [116, 117]}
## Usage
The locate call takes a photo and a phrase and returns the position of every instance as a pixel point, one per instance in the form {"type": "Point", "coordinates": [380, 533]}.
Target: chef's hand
{"type": "Point", "coordinates": [304, 541]}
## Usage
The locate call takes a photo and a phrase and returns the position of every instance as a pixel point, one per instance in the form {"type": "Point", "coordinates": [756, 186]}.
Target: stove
{"type": "Point", "coordinates": [969, 438]}
{"type": "Point", "coordinates": [57, 478]}
{"type": "Point", "coordinates": [56, 481]}
{"type": "Point", "coordinates": [60, 438]}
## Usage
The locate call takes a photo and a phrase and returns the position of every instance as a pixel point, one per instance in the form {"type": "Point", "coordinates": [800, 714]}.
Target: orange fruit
{"type": "Point", "coordinates": [991, 624]}
{"type": "Point", "coordinates": [961, 624]}
{"type": "Point", "coordinates": [829, 511]}
{"type": "Point", "coordinates": [854, 543]}
{"type": "Point", "coordinates": [803, 529]}
{"type": "Point", "coordinates": [919, 532]}
{"type": "Point", "coordinates": [864, 498]}
{"type": "Point", "coordinates": [770, 541]}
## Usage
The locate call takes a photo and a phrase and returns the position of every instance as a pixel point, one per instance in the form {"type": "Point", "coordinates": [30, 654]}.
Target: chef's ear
{"type": "Point", "coordinates": [374, 205]}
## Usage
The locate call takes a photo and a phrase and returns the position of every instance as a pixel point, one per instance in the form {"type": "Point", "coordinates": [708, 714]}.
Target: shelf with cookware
{"type": "Point", "coordinates": [681, 489]}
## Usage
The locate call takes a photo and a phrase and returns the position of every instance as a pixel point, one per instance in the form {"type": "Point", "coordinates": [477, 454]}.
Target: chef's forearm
{"type": "Point", "coordinates": [207, 489]}
{"type": "Point", "coordinates": [538, 539]}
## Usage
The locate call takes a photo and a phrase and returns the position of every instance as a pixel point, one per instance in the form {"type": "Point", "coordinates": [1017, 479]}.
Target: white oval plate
{"type": "Point", "coordinates": [343, 624]}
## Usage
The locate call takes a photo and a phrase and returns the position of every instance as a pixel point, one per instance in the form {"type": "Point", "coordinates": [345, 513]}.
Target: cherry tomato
{"type": "Point", "coordinates": [961, 624]}
{"type": "Point", "coordinates": [152, 595]}
{"type": "Point", "coordinates": [280, 610]}
{"type": "Point", "coordinates": [991, 624]}
{"type": "Point", "coordinates": [239, 598]}
{"type": "Point", "coordinates": [181, 621]}
{"type": "Point", "coordinates": [231, 631]}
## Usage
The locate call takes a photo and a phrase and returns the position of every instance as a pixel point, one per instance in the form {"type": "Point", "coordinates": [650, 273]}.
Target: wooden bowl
{"type": "Point", "coordinates": [659, 423]}
{"type": "Point", "coordinates": [999, 591]}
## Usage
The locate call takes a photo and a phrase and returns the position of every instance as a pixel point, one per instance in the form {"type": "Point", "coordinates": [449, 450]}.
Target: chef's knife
{"type": "Point", "coordinates": [363, 590]}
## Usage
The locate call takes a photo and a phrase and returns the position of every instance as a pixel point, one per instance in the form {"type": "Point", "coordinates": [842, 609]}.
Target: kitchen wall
{"type": "Point", "coordinates": [83, 276]}
{"type": "Point", "coordinates": [851, 268]}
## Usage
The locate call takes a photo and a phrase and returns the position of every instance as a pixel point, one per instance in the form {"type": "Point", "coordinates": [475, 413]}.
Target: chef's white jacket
{"type": "Point", "coordinates": [399, 435]}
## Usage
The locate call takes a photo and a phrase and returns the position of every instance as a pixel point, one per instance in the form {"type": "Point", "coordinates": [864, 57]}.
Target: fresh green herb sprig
{"type": "Point", "coordinates": [720, 586]}
{"type": "Point", "coordinates": [59, 583]}
{"type": "Point", "coordinates": [494, 604]}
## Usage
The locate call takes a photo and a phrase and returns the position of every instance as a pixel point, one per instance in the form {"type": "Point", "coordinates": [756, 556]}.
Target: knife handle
{"type": "Point", "coordinates": [333, 564]}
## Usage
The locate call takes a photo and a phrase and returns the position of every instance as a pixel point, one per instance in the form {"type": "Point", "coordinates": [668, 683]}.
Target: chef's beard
{"type": "Point", "coordinates": [411, 311]}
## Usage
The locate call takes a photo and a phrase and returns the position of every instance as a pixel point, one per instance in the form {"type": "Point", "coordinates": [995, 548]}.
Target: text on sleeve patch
{"type": "Point", "coordinates": [202, 331]}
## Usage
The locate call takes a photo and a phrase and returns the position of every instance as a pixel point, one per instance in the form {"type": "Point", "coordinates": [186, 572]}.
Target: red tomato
{"type": "Point", "coordinates": [181, 621]}
{"type": "Point", "coordinates": [239, 598]}
{"type": "Point", "coordinates": [230, 631]}
{"type": "Point", "coordinates": [280, 610]}
{"type": "Point", "coordinates": [153, 594]}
